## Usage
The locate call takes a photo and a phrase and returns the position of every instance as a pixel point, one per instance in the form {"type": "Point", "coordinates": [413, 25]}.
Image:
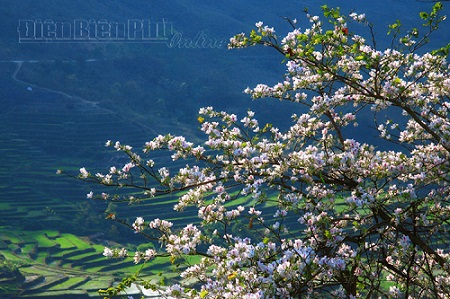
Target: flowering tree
{"type": "Point", "coordinates": [315, 211]}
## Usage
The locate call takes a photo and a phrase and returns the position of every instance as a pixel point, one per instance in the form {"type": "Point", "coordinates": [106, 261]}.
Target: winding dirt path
{"type": "Point", "coordinates": [87, 103]}
{"type": "Point", "coordinates": [19, 67]}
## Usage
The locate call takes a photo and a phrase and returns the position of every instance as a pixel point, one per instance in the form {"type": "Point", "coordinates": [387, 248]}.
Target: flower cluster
{"type": "Point", "coordinates": [185, 242]}
{"type": "Point", "coordinates": [147, 255]}
{"type": "Point", "coordinates": [115, 253]}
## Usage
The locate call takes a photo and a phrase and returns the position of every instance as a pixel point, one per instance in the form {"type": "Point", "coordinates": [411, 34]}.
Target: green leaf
{"type": "Point", "coordinates": [336, 13]}
{"type": "Point", "coordinates": [203, 293]}
{"type": "Point", "coordinates": [255, 37]}
{"type": "Point", "coordinates": [321, 178]}
{"type": "Point", "coordinates": [302, 37]}
{"type": "Point", "coordinates": [162, 281]}
{"type": "Point", "coordinates": [437, 7]}
{"type": "Point", "coordinates": [444, 51]}
{"type": "Point", "coordinates": [423, 15]}
{"type": "Point", "coordinates": [394, 27]}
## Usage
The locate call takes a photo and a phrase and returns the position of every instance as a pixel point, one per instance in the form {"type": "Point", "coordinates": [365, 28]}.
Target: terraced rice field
{"type": "Point", "coordinates": [55, 265]}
